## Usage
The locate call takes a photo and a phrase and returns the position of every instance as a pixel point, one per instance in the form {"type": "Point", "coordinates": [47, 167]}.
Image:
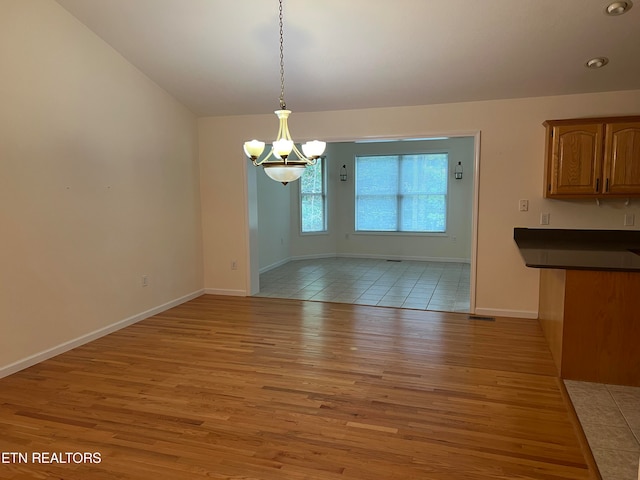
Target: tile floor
{"type": "Point", "coordinates": [442, 286]}
{"type": "Point", "coordinates": [610, 418]}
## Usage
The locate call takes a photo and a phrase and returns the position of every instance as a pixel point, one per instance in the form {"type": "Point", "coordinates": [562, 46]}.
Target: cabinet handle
{"type": "Point", "coordinates": [597, 185]}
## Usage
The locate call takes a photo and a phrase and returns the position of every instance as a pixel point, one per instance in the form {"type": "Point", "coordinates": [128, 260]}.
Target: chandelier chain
{"type": "Point", "coordinates": [283, 106]}
{"type": "Point", "coordinates": [284, 162]}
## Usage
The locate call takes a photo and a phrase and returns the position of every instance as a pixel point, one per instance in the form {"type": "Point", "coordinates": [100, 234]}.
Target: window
{"type": "Point", "coordinates": [313, 198]}
{"type": "Point", "coordinates": [402, 193]}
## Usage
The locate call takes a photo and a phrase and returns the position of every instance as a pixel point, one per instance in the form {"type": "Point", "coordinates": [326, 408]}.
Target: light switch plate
{"type": "Point", "coordinates": [544, 219]}
{"type": "Point", "coordinates": [629, 219]}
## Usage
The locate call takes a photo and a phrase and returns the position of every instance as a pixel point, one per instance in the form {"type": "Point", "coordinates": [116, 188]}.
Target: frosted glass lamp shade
{"type": "Point", "coordinates": [282, 148]}
{"type": "Point", "coordinates": [254, 148]}
{"type": "Point", "coordinates": [313, 149]}
{"type": "Point", "coordinates": [284, 174]}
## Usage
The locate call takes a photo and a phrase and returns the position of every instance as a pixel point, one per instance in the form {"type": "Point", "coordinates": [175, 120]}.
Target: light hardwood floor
{"type": "Point", "coordinates": [261, 388]}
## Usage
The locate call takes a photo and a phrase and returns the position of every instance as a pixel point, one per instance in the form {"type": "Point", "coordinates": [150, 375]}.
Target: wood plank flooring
{"type": "Point", "coordinates": [258, 388]}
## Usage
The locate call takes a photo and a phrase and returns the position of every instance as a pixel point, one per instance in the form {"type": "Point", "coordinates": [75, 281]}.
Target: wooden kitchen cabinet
{"type": "Point", "coordinates": [622, 158]}
{"type": "Point", "coordinates": [593, 158]}
{"type": "Point", "coordinates": [591, 320]}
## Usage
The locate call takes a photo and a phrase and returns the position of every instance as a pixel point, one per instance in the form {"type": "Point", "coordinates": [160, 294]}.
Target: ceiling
{"type": "Point", "coordinates": [221, 57]}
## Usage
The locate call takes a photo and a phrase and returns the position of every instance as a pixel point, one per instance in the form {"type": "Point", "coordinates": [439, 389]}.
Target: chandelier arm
{"type": "Point", "coordinates": [283, 130]}
{"type": "Point", "coordinates": [299, 158]}
{"type": "Point", "coordinates": [302, 158]}
{"type": "Point", "coordinates": [257, 162]}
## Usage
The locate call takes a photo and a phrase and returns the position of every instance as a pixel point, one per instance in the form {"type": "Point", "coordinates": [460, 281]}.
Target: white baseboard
{"type": "Point", "coordinates": [89, 337]}
{"type": "Point", "coordinates": [499, 312]}
{"type": "Point", "coordinates": [274, 265]}
{"type": "Point", "coordinates": [316, 256]}
{"type": "Point", "coordinates": [375, 257]}
{"type": "Point", "coordinates": [228, 293]}
{"type": "Point", "coordinates": [405, 257]}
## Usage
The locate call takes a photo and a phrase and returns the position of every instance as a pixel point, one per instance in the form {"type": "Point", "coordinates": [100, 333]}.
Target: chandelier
{"type": "Point", "coordinates": [284, 162]}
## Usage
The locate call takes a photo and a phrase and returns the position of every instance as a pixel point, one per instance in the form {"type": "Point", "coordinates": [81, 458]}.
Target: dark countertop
{"type": "Point", "coordinates": [613, 250]}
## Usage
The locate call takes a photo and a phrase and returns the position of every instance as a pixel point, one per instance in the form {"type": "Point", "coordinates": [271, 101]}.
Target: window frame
{"type": "Point", "coordinates": [323, 195]}
{"type": "Point", "coordinates": [398, 196]}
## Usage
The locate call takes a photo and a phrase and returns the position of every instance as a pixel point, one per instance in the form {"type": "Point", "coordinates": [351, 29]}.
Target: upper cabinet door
{"type": "Point", "coordinates": [575, 160]}
{"type": "Point", "coordinates": [622, 158]}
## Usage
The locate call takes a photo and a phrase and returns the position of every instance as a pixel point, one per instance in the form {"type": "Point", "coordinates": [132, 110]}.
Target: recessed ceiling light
{"type": "Point", "coordinates": [597, 62]}
{"type": "Point", "coordinates": [618, 8]}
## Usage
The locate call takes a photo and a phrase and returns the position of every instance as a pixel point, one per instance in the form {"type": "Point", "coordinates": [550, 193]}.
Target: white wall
{"type": "Point", "coordinates": [99, 185]}
{"type": "Point", "coordinates": [342, 240]}
{"type": "Point", "coordinates": [511, 168]}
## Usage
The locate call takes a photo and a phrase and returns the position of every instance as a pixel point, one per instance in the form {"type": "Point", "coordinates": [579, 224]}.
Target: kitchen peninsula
{"type": "Point", "coordinates": [589, 306]}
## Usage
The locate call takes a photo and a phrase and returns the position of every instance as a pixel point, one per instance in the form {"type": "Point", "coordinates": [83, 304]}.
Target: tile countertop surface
{"type": "Point", "coordinates": [609, 250]}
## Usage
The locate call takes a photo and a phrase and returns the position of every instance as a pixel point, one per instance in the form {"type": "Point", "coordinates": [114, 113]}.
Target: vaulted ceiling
{"type": "Point", "coordinates": [221, 57]}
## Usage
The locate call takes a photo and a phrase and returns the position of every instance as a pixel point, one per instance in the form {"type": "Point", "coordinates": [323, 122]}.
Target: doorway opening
{"type": "Point", "coordinates": [422, 270]}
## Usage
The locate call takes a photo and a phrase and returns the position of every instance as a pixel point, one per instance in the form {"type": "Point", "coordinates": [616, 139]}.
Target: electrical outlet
{"type": "Point", "coordinates": [523, 205]}
{"type": "Point", "coordinates": [629, 219]}
{"type": "Point", "coordinates": [544, 218]}
{"type": "Point", "coordinates": [145, 280]}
